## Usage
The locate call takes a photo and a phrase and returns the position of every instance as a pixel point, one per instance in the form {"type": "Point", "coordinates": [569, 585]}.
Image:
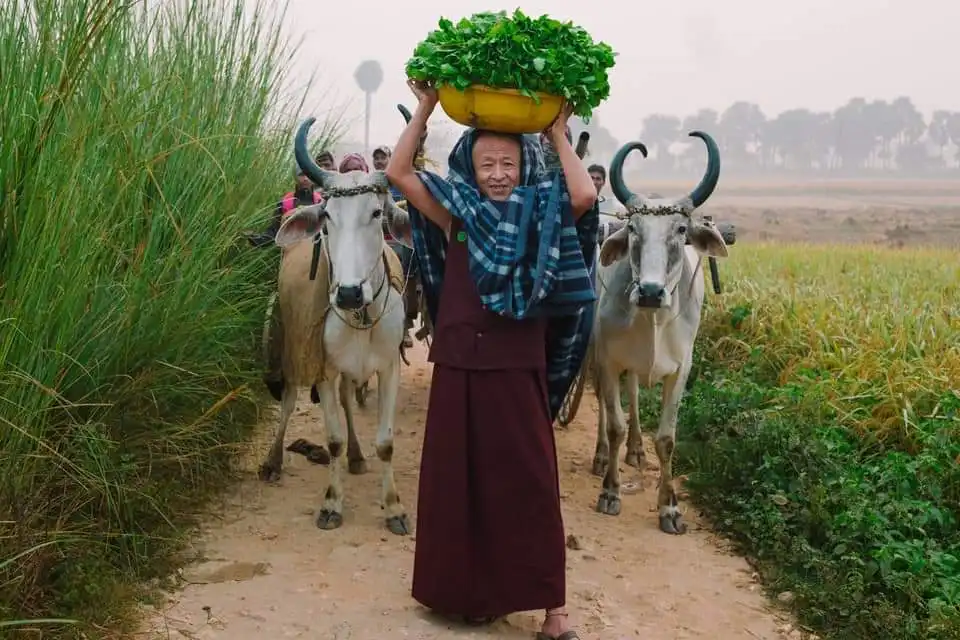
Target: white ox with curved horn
{"type": "Point", "coordinates": [650, 299]}
{"type": "Point", "coordinates": [343, 320]}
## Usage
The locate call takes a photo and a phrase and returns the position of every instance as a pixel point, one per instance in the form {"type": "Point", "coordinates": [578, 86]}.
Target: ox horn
{"type": "Point", "coordinates": [405, 113]}
{"type": "Point", "coordinates": [624, 195]}
{"type": "Point", "coordinates": [704, 190]}
{"type": "Point", "coordinates": [315, 173]}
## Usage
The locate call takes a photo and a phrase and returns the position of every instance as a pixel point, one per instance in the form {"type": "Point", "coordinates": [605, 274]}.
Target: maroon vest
{"type": "Point", "coordinates": [467, 335]}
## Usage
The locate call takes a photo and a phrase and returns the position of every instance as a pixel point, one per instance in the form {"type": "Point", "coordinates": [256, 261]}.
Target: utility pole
{"type": "Point", "coordinates": [369, 76]}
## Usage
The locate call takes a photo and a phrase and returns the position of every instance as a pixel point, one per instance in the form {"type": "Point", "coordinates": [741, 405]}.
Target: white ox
{"type": "Point", "coordinates": [345, 321]}
{"type": "Point", "coordinates": [650, 297]}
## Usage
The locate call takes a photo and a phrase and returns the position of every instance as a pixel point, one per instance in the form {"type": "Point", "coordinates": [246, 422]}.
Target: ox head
{"type": "Point", "coordinates": [657, 230]}
{"type": "Point", "coordinates": [349, 221]}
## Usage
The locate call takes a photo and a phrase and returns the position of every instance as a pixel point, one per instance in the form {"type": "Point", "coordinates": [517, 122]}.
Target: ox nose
{"type": "Point", "coordinates": [349, 297]}
{"type": "Point", "coordinates": [651, 294]}
{"type": "Point", "coordinates": [652, 290]}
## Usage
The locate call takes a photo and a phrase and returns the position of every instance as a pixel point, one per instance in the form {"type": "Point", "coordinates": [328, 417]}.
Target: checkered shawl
{"type": "Point", "coordinates": [528, 259]}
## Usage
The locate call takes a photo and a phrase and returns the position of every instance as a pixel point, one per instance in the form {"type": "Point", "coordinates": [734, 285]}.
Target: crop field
{"type": "Point", "coordinates": [823, 431]}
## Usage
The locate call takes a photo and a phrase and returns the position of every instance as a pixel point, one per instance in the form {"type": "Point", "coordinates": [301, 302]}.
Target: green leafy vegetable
{"type": "Point", "coordinates": [517, 52]}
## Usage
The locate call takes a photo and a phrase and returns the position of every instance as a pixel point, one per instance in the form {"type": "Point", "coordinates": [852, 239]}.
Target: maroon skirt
{"type": "Point", "coordinates": [490, 537]}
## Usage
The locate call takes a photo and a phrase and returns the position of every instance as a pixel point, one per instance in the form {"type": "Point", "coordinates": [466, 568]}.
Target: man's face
{"type": "Point", "coordinates": [380, 160]}
{"type": "Point", "coordinates": [303, 181]}
{"type": "Point", "coordinates": [326, 163]}
{"type": "Point", "coordinates": [598, 180]}
{"type": "Point", "coordinates": [496, 161]}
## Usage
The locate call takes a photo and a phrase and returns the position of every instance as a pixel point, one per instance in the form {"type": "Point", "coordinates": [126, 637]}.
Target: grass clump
{"type": "Point", "coordinates": [138, 144]}
{"type": "Point", "coordinates": [823, 432]}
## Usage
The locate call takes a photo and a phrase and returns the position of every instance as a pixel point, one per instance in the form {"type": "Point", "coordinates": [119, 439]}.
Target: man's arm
{"type": "Point", "coordinates": [400, 171]}
{"type": "Point", "coordinates": [583, 195]}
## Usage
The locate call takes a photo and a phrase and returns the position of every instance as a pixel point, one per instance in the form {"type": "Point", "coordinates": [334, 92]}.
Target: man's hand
{"type": "Point", "coordinates": [557, 131]}
{"type": "Point", "coordinates": [425, 93]}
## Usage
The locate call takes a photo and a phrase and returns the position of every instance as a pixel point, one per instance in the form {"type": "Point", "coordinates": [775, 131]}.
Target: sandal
{"type": "Point", "coordinates": [566, 635]}
{"type": "Point", "coordinates": [479, 621]}
{"type": "Point", "coordinates": [315, 453]}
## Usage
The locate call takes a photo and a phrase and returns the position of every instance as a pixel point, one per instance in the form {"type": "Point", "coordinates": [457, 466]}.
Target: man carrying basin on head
{"type": "Point", "coordinates": [510, 333]}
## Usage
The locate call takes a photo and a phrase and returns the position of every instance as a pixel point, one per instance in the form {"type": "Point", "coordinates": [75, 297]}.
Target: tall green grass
{"type": "Point", "coordinates": [823, 432]}
{"type": "Point", "coordinates": [136, 146]}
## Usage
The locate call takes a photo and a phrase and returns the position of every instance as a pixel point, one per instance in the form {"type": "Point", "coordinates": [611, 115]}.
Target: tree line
{"type": "Point", "coordinates": [862, 137]}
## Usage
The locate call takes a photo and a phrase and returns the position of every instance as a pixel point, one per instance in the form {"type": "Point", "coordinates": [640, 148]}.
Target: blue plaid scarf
{"type": "Point", "coordinates": [529, 260]}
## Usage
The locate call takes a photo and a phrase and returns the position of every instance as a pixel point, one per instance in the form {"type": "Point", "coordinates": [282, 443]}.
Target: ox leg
{"type": "Point", "coordinates": [272, 466]}
{"type": "Point", "coordinates": [356, 462]}
{"type": "Point", "coordinates": [388, 384]}
{"type": "Point", "coordinates": [609, 501]}
{"type": "Point", "coordinates": [602, 452]}
{"type": "Point", "coordinates": [331, 513]}
{"type": "Point", "coordinates": [636, 457]}
{"type": "Point", "coordinates": [667, 503]}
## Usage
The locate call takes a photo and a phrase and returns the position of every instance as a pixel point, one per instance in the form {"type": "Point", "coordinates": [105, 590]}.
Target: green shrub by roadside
{"type": "Point", "coordinates": [823, 432]}
{"type": "Point", "coordinates": [138, 145]}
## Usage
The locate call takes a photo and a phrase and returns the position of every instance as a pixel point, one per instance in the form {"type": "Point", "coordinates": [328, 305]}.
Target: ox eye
{"type": "Point", "coordinates": [377, 213]}
{"type": "Point", "coordinates": [682, 229]}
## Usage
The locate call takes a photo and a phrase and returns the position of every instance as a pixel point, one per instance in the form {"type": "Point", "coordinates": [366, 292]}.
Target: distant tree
{"type": "Point", "coordinates": [953, 127]}
{"type": "Point", "coordinates": [939, 132]}
{"type": "Point", "coordinates": [703, 120]}
{"type": "Point", "coordinates": [798, 139]}
{"type": "Point", "coordinates": [861, 135]}
{"type": "Point", "coordinates": [658, 133]}
{"type": "Point", "coordinates": [740, 132]}
{"type": "Point", "coordinates": [854, 137]}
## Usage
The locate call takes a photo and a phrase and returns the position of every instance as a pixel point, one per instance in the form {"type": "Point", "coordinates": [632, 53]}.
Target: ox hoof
{"type": "Point", "coordinates": [599, 466]}
{"type": "Point", "coordinates": [327, 519]}
{"type": "Point", "coordinates": [609, 505]}
{"type": "Point", "coordinates": [399, 525]}
{"type": "Point", "coordinates": [636, 461]}
{"type": "Point", "coordinates": [673, 524]}
{"type": "Point", "coordinates": [357, 467]}
{"type": "Point", "coordinates": [269, 472]}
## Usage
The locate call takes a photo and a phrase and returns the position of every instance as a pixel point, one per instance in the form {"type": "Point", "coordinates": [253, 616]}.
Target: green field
{"type": "Point", "coordinates": [823, 432]}
{"type": "Point", "coordinates": [136, 149]}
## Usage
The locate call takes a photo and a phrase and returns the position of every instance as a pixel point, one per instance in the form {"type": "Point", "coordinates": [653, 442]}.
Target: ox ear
{"type": "Point", "coordinates": [615, 247]}
{"type": "Point", "coordinates": [706, 239]}
{"type": "Point", "coordinates": [302, 224]}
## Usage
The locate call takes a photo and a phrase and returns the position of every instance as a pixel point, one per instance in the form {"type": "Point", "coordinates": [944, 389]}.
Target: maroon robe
{"type": "Point", "coordinates": [490, 537]}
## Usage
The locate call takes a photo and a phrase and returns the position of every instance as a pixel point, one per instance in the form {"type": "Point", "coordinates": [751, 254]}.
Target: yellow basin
{"type": "Point", "coordinates": [503, 110]}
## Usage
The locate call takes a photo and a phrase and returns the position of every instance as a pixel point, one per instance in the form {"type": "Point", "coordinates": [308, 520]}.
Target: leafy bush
{"type": "Point", "coordinates": [823, 432]}
{"type": "Point", "coordinates": [137, 147]}
{"type": "Point", "coordinates": [518, 52]}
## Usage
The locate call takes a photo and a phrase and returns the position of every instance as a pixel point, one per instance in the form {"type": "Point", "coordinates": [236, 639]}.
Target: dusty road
{"type": "Point", "coordinates": [269, 573]}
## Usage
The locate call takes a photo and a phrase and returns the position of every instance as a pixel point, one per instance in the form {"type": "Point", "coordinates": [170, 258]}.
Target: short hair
{"type": "Point", "coordinates": [596, 168]}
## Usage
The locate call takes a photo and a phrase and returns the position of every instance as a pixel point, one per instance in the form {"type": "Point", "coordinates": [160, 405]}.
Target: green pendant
{"type": "Point", "coordinates": [461, 236]}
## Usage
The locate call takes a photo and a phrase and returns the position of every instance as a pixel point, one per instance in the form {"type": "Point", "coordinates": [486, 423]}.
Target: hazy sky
{"type": "Point", "coordinates": [673, 57]}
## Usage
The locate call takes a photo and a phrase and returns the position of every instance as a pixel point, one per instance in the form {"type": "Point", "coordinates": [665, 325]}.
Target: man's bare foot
{"type": "Point", "coordinates": [556, 626]}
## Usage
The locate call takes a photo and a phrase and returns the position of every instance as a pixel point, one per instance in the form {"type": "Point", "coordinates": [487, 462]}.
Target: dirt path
{"type": "Point", "coordinates": [270, 573]}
